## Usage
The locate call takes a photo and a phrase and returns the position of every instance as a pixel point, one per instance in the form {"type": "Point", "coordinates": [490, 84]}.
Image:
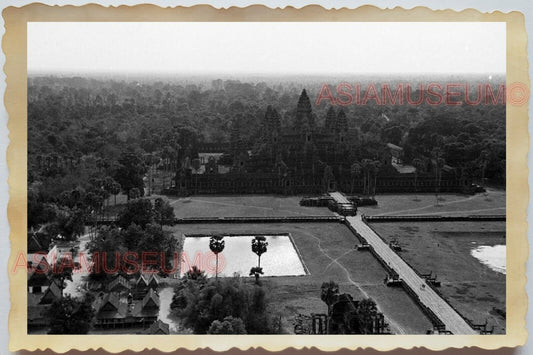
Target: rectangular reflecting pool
{"type": "Point", "coordinates": [281, 258]}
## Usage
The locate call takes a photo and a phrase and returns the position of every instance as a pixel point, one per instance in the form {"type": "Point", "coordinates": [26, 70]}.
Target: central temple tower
{"type": "Point", "coordinates": [304, 121]}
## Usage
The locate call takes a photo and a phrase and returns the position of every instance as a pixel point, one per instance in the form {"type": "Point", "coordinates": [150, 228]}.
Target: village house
{"type": "Point", "coordinates": [128, 304]}
{"type": "Point", "coordinates": [158, 328]}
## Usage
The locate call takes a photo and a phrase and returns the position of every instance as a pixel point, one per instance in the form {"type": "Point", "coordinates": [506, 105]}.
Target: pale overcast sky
{"type": "Point", "coordinates": [268, 48]}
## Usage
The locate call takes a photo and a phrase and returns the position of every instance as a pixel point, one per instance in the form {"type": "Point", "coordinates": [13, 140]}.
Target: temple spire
{"type": "Point", "coordinates": [304, 113]}
{"type": "Point", "coordinates": [331, 120]}
{"type": "Point", "coordinates": [342, 122]}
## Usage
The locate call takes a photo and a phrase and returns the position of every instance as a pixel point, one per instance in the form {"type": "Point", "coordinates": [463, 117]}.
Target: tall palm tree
{"type": "Point", "coordinates": [259, 247]}
{"type": "Point", "coordinates": [366, 166]}
{"type": "Point", "coordinates": [417, 163]}
{"type": "Point", "coordinates": [374, 169]}
{"type": "Point", "coordinates": [355, 171]}
{"type": "Point", "coordinates": [439, 163]}
{"type": "Point", "coordinates": [216, 244]}
{"type": "Point", "coordinates": [483, 160]}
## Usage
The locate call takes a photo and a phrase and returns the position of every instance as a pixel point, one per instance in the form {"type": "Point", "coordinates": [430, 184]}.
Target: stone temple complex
{"type": "Point", "coordinates": [306, 158]}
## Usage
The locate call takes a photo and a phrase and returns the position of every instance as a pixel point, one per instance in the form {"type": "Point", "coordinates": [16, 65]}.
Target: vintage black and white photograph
{"type": "Point", "coordinates": [308, 178]}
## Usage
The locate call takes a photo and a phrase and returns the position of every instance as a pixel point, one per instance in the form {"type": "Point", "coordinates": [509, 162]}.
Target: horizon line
{"type": "Point", "coordinates": [248, 74]}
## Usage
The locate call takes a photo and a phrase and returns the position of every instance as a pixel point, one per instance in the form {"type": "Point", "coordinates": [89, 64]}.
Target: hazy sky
{"type": "Point", "coordinates": [268, 48]}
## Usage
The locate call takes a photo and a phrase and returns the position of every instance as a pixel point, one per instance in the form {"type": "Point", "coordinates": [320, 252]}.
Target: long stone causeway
{"type": "Point", "coordinates": [426, 295]}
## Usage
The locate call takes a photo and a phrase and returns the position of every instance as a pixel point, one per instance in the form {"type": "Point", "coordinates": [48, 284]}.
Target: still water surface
{"type": "Point", "coordinates": [281, 258]}
{"type": "Point", "coordinates": [492, 256]}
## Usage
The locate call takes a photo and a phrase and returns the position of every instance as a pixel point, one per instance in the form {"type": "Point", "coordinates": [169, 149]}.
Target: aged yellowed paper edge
{"type": "Point", "coordinates": [14, 47]}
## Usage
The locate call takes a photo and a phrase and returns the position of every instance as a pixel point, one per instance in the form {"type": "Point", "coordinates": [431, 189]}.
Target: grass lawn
{"type": "Point", "coordinates": [327, 251]}
{"type": "Point", "coordinates": [474, 289]}
{"type": "Point", "coordinates": [243, 206]}
{"type": "Point", "coordinates": [490, 203]}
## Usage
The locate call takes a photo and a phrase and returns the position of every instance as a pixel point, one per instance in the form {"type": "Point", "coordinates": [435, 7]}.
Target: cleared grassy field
{"type": "Point", "coordinates": [327, 251]}
{"type": "Point", "coordinates": [243, 206]}
{"type": "Point", "coordinates": [474, 289]}
{"type": "Point", "coordinates": [490, 203]}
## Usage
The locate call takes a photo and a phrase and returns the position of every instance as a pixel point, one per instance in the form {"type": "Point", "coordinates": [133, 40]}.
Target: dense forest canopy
{"type": "Point", "coordinates": [116, 126]}
{"type": "Point", "coordinates": [80, 116]}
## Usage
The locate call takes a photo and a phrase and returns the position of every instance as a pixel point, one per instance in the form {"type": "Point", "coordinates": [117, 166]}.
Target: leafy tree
{"type": "Point", "coordinates": [130, 171]}
{"type": "Point", "coordinates": [72, 198]}
{"type": "Point", "coordinates": [134, 193]}
{"type": "Point", "coordinates": [361, 320]}
{"type": "Point", "coordinates": [137, 212]}
{"type": "Point", "coordinates": [216, 244]}
{"type": "Point", "coordinates": [195, 274]}
{"type": "Point", "coordinates": [392, 135]}
{"type": "Point", "coordinates": [93, 200]}
{"type": "Point", "coordinates": [106, 249]}
{"type": "Point", "coordinates": [455, 153]}
{"type": "Point", "coordinates": [366, 313]}
{"type": "Point", "coordinates": [162, 243]}
{"type": "Point", "coordinates": [163, 212]}
{"type": "Point", "coordinates": [259, 321]}
{"type": "Point", "coordinates": [329, 291]}
{"type": "Point", "coordinates": [228, 325]}
{"type": "Point", "coordinates": [69, 223]}
{"type": "Point", "coordinates": [70, 316]}
{"type": "Point", "coordinates": [200, 302]}
{"type": "Point", "coordinates": [132, 235]}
